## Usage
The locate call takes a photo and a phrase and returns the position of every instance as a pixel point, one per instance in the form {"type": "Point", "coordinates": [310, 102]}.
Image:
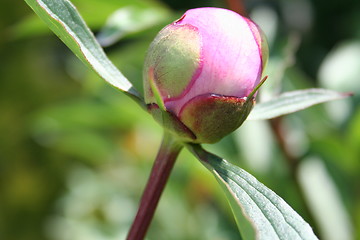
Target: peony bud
{"type": "Point", "coordinates": [201, 71]}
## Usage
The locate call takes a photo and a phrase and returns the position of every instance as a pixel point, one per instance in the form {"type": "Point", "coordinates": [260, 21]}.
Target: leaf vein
{"type": "Point", "coordinates": [269, 199]}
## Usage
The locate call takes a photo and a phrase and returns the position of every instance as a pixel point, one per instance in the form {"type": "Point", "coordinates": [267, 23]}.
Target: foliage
{"type": "Point", "coordinates": [71, 144]}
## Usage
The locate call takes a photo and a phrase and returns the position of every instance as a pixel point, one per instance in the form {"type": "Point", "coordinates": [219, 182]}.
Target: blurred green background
{"type": "Point", "coordinates": [75, 153]}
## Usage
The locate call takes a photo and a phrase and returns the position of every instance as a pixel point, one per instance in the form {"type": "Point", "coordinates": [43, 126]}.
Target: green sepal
{"type": "Point", "coordinates": [171, 123]}
{"type": "Point", "coordinates": [211, 117]}
{"type": "Point", "coordinates": [172, 61]}
{"type": "Point", "coordinates": [251, 95]}
{"type": "Point", "coordinates": [155, 90]}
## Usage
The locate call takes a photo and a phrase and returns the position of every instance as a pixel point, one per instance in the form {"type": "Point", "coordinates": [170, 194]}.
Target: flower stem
{"type": "Point", "coordinates": [164, 162]}
{"type": "Point", "coordinates": [293, 163]}
{"type": "Point", "coordinates": [237, 6]}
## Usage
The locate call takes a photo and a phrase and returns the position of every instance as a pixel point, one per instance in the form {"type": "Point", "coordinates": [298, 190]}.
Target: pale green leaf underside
{"type": "Point", "coordinates": [65, 21]}
{"type": "Point", "coordinates": [270, 217]}
{"type": "Point", "coordinates": [294, 101]}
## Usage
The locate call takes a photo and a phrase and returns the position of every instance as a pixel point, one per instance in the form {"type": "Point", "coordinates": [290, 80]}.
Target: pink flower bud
{"type": "Point", "coordinates": [202, 67]}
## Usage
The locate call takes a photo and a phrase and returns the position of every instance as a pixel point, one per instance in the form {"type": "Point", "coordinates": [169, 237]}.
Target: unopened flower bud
{"type": "Point", "coordinates": [200, 70]}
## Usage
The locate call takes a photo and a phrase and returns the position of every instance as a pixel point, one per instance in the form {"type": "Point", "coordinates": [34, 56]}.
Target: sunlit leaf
{"type": "Point", "coordinates": [319, 188]}
{"type": "Point", "coordinates": [64, 20]}
{"type": "Point", "coordinates": [293, 101]}
{"type": "Point", "coordinates": [129, 20]}
{"type": "Point", "coordinates": [32, 25]}
{"type": "Point", "coordinates": [259, 212]}
{"type": "Point", "coordinates": [343, 56]}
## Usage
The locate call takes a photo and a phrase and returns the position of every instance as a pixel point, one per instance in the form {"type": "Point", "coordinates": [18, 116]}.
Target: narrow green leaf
{"type": "Point", "coordinates": [294, 101]}
{"type": "Point", "coordinates": [128, 20]}
{"type": "Point", "coordinates": [64, 20]}
{"type": "Point", "coordinates": [259, 212]}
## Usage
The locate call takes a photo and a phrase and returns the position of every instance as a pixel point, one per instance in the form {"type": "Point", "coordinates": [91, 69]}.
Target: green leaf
{"type": "Point", "coordinates": [259, 212]}
{"type": "Point", "coordinates": [344, 56]}
{"type": "Point", "coordinates": [64, 20]}
{"type": "Point", "coordinates": [130, 20]}
{"type": "Point", "coordinates": [293, 101]}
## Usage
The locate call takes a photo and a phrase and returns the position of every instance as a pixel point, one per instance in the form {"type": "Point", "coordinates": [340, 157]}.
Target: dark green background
{"type": "Point", "coordinates": [75, 153]}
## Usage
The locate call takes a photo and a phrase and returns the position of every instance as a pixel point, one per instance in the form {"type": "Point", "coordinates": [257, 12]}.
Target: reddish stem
{"type": "Point", "coordinates": [164, 162]}
{"type": "Point", "coordinates": [293, 164]}
{"type": "Point", "coordinates": [237, 6]}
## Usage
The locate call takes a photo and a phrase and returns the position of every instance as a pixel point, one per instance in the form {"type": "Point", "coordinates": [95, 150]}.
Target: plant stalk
{"type": "Point", "coordinates": [164, 163]}
{"type": "Point", "coordinates": [237, 6]}
{"type": "Point", "coordinates": [293, 164]}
